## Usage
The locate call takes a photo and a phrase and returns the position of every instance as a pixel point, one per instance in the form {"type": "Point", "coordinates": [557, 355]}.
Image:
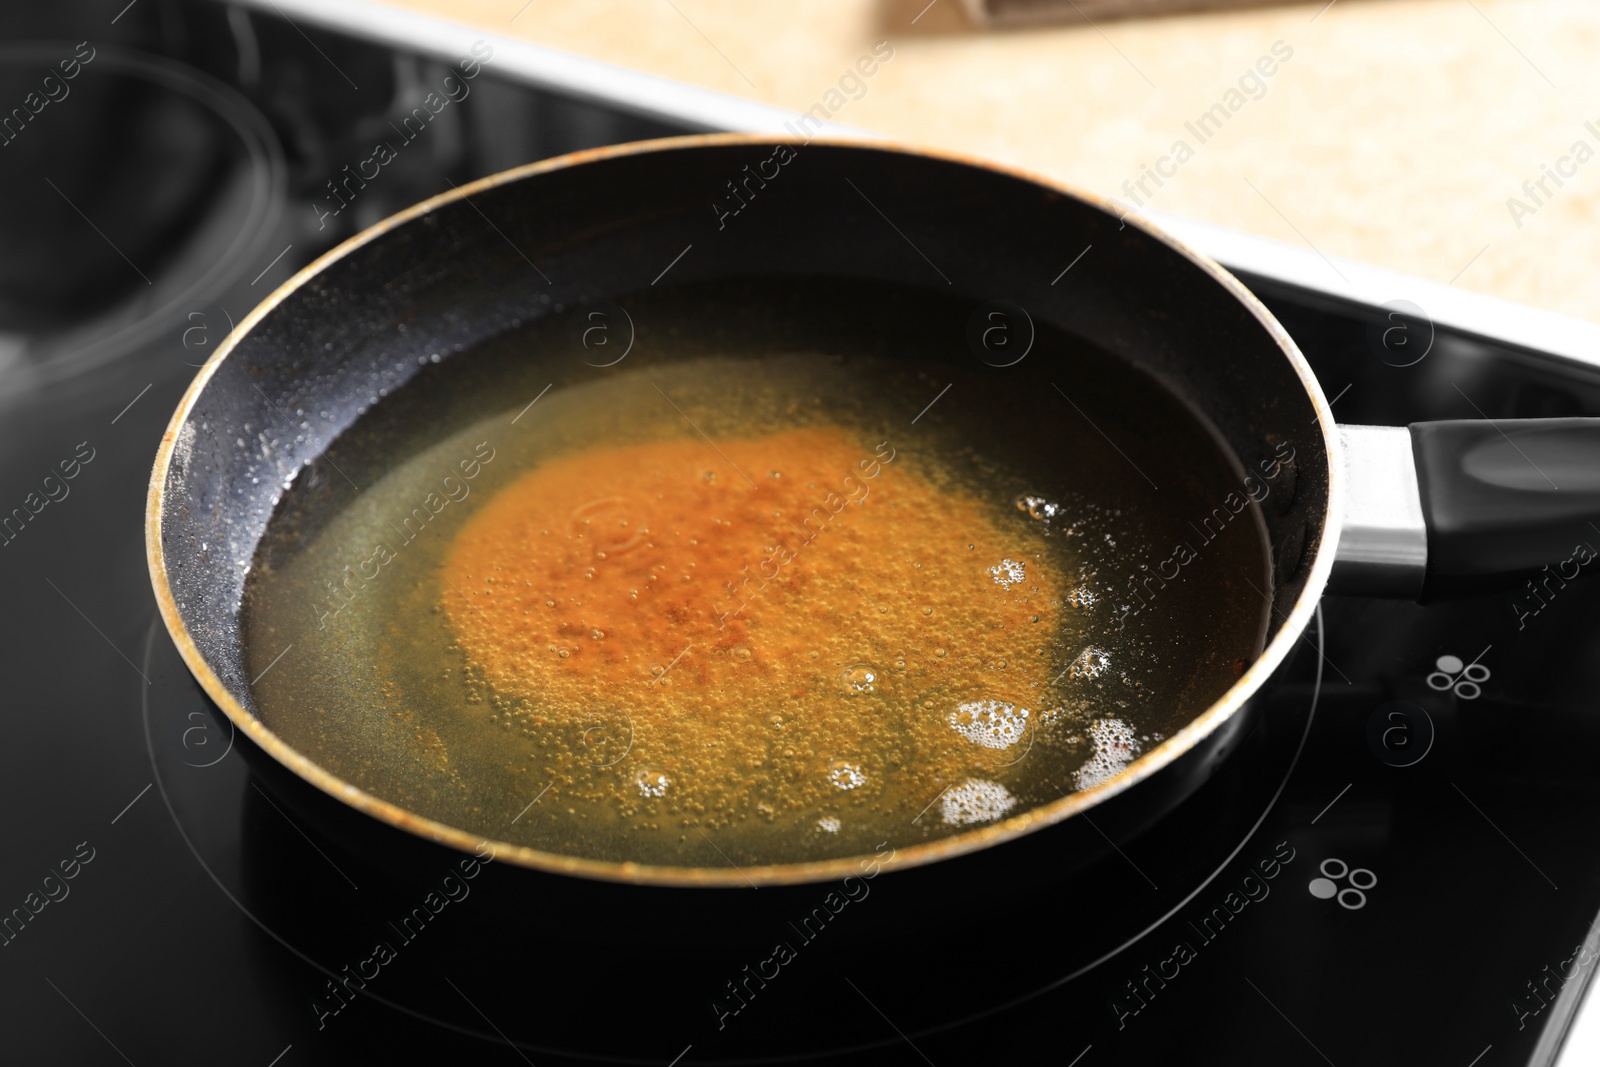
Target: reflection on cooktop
{"type": "Point", "coordinates": [141, 188]}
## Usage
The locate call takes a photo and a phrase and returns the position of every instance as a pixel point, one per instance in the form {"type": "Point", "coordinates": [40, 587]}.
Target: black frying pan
{"type": "Point", "coordinates": [1440, 508]}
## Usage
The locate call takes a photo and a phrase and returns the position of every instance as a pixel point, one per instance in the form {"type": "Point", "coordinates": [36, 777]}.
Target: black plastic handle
{"type": "Point", "coordinates": [1508, 501]}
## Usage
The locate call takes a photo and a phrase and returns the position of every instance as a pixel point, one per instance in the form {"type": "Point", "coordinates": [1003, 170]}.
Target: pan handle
{"type": "Point", "coordinates": [1507, 502]}
{"type": "Point", "coordinates": [1441, 509]}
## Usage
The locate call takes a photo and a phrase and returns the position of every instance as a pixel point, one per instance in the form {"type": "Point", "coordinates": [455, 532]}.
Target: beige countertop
{"type": "Point", "coordinates": [1395, 132]}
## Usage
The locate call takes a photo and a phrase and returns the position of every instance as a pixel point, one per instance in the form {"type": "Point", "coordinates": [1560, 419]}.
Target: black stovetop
{"type": "Point", "coordinates": [1395, 868]}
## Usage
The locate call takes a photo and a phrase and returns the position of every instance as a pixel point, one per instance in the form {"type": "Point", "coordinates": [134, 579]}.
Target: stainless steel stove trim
{"type": "Point", "coordinates": [1383, 544]}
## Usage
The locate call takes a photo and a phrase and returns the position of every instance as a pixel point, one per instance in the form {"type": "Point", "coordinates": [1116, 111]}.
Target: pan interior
{"type": "Point", "coordinates": [761, 572]}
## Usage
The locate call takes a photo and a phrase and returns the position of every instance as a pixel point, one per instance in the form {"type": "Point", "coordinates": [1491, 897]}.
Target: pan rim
{"type": "Point", "coordinates": [1293, 624]}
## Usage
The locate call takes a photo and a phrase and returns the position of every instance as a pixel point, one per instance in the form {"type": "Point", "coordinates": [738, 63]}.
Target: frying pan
{"type": "Point", "coordinates": [1431, 510]}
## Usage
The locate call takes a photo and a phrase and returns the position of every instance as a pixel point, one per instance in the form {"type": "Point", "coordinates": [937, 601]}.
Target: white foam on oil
{"type": "Point", "coordinates": [1115, 746]}
{"type": "Point", "coordinates": [1090, 664]}
{"type": "Point", "coordinates": [1007, 573]}
{"type": "Point", "coordinates": [975, 800]}
{"type": "Point", "coordinates": [652, 783]}
{"type": "Point", "coordinates": [845, 775]}
{"type": "Point", "coordinates": [990, 723]}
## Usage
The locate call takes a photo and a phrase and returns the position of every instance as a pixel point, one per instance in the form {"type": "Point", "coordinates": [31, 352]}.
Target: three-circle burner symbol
{"type": "Point", "coordinates": [1464, 679]}
{"type": "Point", "coordinates": [1352, 897]}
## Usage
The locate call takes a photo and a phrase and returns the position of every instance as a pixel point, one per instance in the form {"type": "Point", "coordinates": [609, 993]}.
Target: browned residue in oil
{"type": "Point", "coordinates": [788, 621]}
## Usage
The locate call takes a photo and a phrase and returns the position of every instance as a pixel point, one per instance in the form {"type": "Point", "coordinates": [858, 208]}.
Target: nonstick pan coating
{"type": "Point", "coordinates": [459, 270]}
